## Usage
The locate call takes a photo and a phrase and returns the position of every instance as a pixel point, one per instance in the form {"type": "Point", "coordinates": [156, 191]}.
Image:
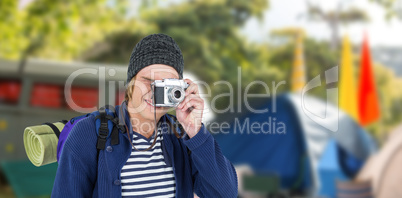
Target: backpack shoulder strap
{"type": "Point", "coordinates": [103, 131]}
{"type": "Point", "coordinates": [106, 126]}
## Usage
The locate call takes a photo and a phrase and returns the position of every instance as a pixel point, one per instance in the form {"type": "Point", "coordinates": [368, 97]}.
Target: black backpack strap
{"type": "Point", "coordinates": [103, 130]}
{"type": "Point", "coordinates": [97, 162]}
{"type": "Point", "coordinates": [54, 128]}
{"type": "Point", "coordinates": [109, 117]}
{"type": "Point", "coordinates": [115, 135]}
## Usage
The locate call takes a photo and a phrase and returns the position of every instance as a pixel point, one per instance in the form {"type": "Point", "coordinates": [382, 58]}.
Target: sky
{"type": "Point", "coordinates": [280, 15]}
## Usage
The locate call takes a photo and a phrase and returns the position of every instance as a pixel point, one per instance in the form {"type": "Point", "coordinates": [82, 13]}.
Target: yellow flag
{"type": "Point", "coordinates": [298, 71]}
{"type": "Point", "coordinates": [347, 84]}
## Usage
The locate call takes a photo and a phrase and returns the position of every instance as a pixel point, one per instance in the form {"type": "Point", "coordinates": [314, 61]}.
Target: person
{"type": "Point", "coordinates": [150, 160]}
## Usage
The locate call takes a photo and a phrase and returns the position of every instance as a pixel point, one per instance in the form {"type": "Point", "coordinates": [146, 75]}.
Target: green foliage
{"type": "Point", "coordinates": [56, 29]}
{"type": "Point", "coordinates": [206, 32]}
{"type": "Point", "coordinates": [336, 17]}
{"type": "Point", "coordinates": [393, 8]}
{"type": "Point", "coordinates": [318, 58]}
{"type": "Point", "coordinates": [351, 15]}
{"type": "Point", "coordinates": [390, 97]}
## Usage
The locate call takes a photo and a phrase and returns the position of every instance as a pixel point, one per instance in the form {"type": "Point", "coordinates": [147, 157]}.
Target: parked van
{"type": "Point", "coordinates": [48, 91]}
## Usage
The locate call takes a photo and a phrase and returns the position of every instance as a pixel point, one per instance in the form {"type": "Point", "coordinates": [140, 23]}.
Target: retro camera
{"type": "Point", "coordinates": [169, 92]}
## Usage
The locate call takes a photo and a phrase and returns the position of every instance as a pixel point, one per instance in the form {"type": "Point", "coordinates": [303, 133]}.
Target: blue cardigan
{"type": "Point", "coordinates": [205, 171]}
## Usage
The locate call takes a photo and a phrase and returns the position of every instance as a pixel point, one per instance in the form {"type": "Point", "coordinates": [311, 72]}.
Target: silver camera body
{"type": "Point", "coordinates": [168, 92]}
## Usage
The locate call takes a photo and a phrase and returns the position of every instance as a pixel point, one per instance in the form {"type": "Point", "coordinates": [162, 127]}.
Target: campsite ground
{"type": "Point", "coordinates": [6, 192]}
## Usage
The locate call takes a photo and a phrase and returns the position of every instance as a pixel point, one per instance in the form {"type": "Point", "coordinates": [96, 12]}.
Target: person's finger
{"type": "Point", "coordinates": [190, 99]}
{"type": "Point", "coordinates": [186, 99]}
{"type": "Point", "coordinates": [196, 103]}
{"type": "Point", "coordinates": [192, 89]}
{"type": "Point", "coordinates": [188, 81]}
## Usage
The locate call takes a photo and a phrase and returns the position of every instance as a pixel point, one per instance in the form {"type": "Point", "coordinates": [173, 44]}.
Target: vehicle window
{"type": "Point", "coordinates": [10, 91]}
{"type": "Point", "coordinates": [85, 97]}
{"type": "Point", "coordinates": [46, 95]}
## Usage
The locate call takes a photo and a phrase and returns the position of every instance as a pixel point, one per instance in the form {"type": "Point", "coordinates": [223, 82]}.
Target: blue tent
{"type": "Point", "coordinates": [293, 140]}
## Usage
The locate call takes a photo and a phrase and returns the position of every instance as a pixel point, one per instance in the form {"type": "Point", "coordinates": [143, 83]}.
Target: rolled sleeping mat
{"type": "Point", "coordinates": [41, 142]}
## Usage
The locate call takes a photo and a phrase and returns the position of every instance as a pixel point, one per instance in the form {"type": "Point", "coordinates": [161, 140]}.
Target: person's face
{"type": "Point", "coordinates": [141, 98]}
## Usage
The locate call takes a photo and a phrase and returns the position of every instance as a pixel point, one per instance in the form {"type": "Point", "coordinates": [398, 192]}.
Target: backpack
{"type": "Point", "coordinates": [107, 126]}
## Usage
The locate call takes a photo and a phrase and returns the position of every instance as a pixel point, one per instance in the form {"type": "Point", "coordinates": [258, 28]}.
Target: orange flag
{"type": "Point", "coordinates": [369, 110]}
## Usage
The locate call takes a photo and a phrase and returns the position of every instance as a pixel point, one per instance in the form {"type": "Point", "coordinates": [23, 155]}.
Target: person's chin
{"type": "Point", "coordinates": [148, 112]}
{"type": "Point", "coordinates": [150, 115]}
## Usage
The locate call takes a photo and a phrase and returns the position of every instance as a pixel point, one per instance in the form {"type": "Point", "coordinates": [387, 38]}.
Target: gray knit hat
{"type": "Point", "coordinates": [155, 49]}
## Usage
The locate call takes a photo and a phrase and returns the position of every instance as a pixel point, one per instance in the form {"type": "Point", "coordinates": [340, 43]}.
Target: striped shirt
{"type": "Point", "coordinates": [145, 173]}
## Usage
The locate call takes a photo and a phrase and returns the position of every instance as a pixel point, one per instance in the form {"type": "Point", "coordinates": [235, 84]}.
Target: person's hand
{"type": "Point", "coordinates": [189, 111]}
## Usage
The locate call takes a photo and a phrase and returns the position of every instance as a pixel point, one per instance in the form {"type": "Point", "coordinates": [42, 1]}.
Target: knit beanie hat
{"type": "Point", "coordinates": [155, 49]}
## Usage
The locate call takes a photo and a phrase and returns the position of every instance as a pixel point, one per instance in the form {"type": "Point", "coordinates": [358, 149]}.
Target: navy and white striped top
{"type": "Point", "coordinates": [145, 173]}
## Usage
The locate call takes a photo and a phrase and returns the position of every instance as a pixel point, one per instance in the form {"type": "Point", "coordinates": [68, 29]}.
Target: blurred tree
{"type": "Point", "coordinates": [207, 33]}
{"type": "Point", "coordinates": [298, 76]}
{"type": "Point", "coordinates": [56, 29]}
{"type": "Point", "coordinates": [336, 17]}
{"type": "Point", "coordinates": [287, 32]}
{"type": "Point", "coordinates": [390, 97]}
{"type": "Point", "coordinates": [318, 58]}
{"type": "Point", "coordinates": [393, 8]}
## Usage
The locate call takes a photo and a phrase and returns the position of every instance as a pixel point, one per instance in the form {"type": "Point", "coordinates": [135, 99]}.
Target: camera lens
{"type": "Point", "coordinates": [177, 94]}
